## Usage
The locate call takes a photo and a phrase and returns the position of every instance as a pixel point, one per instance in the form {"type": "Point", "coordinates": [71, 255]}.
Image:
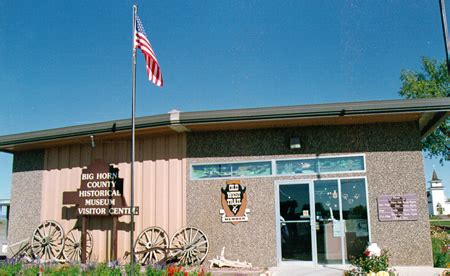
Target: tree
{"type": "Point", "coordinates": [433, 82]}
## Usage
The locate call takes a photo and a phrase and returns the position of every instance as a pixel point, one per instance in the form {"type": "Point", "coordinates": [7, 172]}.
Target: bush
{"type": "Point", "coordinates": [373, 263]}
{"type": "Point", "coordinates": [10, 268]}
{"type": "Point", "coordinates": [373, 260]}
{"type": "Point", "coordinates": [439, 242]}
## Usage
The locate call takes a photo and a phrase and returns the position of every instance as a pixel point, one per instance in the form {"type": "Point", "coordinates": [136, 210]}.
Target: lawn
{"type": "Point", "coordinates": [445, 223]}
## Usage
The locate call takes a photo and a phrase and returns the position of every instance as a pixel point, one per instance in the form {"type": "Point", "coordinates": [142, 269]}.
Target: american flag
{"type": "Point", "coordinates": [141, 42]}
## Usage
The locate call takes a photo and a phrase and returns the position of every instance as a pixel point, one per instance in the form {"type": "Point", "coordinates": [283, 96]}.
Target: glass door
{"type": "Point", "coordinates": [322, 221]}
{"type": "Point", "coordinates": [342, 228]}
{"type": "Point", "coordinates": [328, 222]}
{"type": "Point", "coordinates": [294, 229]}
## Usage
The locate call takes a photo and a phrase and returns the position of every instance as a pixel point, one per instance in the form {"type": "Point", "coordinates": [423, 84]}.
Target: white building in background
{"type": "Point", "coordinates": [438, 203]}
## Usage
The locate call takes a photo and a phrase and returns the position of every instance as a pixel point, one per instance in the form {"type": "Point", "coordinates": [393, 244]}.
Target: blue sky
{"type": "Point", "coordinates": [66, 63]}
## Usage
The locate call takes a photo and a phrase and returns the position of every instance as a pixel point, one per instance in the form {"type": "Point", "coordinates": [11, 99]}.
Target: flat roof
{"type": "Point", "coordinates": [427, 112]}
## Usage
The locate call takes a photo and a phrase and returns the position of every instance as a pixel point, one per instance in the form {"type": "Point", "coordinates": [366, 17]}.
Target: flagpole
{"type": "Point", "coordinates": [133, 116]}
{"type": "Point", "coordinates": [445, 32]}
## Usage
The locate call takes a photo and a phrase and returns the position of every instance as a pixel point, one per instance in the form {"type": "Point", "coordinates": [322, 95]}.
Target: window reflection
{"type": "Point", "coordinates": [299, 166]}
{"type": "Point", "coordinates": [354, 212]}
{"type": "Point", "coordinates": [295, 222]}
{"type": "Point", "coordinates": [328, 224]}
{"type": "Point", "coordinates": [233, 169]}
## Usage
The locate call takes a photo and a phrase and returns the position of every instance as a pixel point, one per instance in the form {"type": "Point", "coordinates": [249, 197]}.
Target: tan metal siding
{"type": "Point", "coordinates": [160, 186]}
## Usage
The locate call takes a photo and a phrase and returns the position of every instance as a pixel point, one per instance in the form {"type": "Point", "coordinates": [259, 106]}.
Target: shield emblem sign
{"type": "Point", "coordinates": [234, 202]}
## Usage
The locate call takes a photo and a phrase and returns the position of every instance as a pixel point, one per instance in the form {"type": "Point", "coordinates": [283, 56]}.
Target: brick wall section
{"type": "Point", "coordinates": [394, 166]}
{"type": "Point", "coordinates": [25, 212]}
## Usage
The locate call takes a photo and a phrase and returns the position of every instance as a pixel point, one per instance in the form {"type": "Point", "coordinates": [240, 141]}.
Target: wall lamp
{"type": "Point", "coordinates": [92, 141]}
{"type": "Point", "coordinates": [294, 143]}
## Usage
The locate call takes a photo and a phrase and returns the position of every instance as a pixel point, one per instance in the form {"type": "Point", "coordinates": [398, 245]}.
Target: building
{"type": "Point", "coordinates": [438, 203]}
{"type": "Point", "coordinates": [4, 216]}
{"type": "Point", "coordinates": [298, 184]}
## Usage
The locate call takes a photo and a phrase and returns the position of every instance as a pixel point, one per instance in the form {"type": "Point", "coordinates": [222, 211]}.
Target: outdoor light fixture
{"type": "Point", "coordinates": [92, 141]}
{"type": "Point", "coordinates": [295, 143]}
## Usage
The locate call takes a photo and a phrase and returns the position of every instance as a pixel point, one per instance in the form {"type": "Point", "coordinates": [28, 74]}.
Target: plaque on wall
{"type": "Point", "coordinates": [234, 202]}
{"type": "Point", "coordinates": [397, 207]}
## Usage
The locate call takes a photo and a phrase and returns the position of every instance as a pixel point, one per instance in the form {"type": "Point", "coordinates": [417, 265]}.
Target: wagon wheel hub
{"type": "Point", "coordinates": [46, 241]}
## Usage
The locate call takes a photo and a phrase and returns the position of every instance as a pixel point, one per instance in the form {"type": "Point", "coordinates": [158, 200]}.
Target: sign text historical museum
{"type": "Point", "coordinates": [100, 192]}
{"type": "Point", "coordinates": [397, 207]}
{"type": "Point", "coordinates": [234, 202]}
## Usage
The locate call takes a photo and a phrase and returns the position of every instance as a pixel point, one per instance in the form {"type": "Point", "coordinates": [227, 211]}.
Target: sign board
{"type": "Point", "coordinates": [234, 202]}
{"type": "Point", "coordinates": [397, 207]}
{"type": "Point", "coordinates": [100, 192]}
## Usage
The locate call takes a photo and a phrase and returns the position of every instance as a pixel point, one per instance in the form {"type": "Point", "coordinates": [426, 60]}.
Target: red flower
{"type": "Point", "coordinates": [367, 253]}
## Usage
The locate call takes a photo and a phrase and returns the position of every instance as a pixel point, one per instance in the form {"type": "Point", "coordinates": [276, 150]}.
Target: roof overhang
{"type": "Point", "coordinates": [429, 113]}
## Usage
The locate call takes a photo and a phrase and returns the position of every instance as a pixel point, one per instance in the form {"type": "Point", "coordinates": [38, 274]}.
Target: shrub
{"type": "Point", "coordinates": [373, 260]}
{"type": "Point", "coordinates": [10, 268]}
{"type": "Point", "coordinates": [439, 242]}
{"type": "Point", "coordinates": [373, 263]}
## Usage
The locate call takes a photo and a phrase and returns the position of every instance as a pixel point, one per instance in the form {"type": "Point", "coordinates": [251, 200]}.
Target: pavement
{"type": "Point", "coordinates": [292, 270]}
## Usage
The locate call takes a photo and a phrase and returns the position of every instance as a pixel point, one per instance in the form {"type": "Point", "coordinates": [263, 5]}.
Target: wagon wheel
{"type": "Point", "coordinates": [191, 245]}
{"type": "Point", "coordinates": [47, 241]}
{"type": "Point", "coordinates": [151, 237]}
{"type": "Point", "coordinates": [72, 245]}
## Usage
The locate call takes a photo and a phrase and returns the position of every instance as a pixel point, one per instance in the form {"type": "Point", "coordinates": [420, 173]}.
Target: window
{"type": "Point", "coordinates": [341, 164]}
{"type": "Point", "coordinates": [298, 166]}
{"type": "Point", "coordinates": [320, 165]}
{"type": "Point", "coordinates": [244, 169]}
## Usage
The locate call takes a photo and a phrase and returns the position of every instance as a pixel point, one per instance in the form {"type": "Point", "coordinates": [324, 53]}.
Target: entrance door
{"type": "Point", "coordinates": [322, 221]}
{"type": "Point", "coordinates": [295, 222]}
{"type": "Point", "coordinates": [328, 222]}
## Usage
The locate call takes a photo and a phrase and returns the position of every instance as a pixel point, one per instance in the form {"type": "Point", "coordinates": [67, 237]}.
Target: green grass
{"type": "Point", "coordinates": [445, 223]}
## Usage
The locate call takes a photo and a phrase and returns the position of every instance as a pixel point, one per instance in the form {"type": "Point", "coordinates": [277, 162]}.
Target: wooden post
{"type": "Point", "coordinates": [114, 239]}
{"type": "Point", "coordinates": [83, 239]}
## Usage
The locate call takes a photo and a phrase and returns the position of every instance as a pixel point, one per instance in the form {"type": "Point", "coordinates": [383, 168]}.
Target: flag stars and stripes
{"type": "Point", "coordinates": [141, 42]}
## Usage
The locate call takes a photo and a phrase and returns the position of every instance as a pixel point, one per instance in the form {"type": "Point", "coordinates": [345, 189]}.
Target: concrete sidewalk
{"type": "Point", "coordinates": [293, 270]}
{"type": "Point", "coordinates": [310, 271]}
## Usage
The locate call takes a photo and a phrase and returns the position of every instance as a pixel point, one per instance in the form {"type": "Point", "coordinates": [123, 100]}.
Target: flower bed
{"type": "Point", "coordinates": [94, 269]}
{"type": "Point", "coordinates": [373, 262]}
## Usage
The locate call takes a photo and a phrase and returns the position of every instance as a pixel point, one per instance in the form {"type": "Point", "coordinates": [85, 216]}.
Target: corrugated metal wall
{"type": "Point", "coordinates": [160, 186]}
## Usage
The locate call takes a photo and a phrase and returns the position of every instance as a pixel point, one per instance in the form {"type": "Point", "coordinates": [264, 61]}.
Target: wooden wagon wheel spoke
{"type": "Point", "coordinates": [73, 245]}
{"type": "Point", "coordinates": [46, 242]}
{"type": "Point", "coordinates": [142, 243]}
{"type": "Point", "coordinates": [192, 245]}
{"type": "Point", "coordinates": [52, 232]}
{"type": "Point", "coordinates": [155, 238]}
{"type": "Point", "coordinates": [146, 257]}
{"type": "Point", "coordinates": [160, 242]}
{"type": "Point", "coordinates": [147, 241]}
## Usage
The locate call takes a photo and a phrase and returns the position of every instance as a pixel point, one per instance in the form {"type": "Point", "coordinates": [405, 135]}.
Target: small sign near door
{"type": "Point", "coordinates": [234, 202]}
{"type": "Point", "coordinates": [397, 207]}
